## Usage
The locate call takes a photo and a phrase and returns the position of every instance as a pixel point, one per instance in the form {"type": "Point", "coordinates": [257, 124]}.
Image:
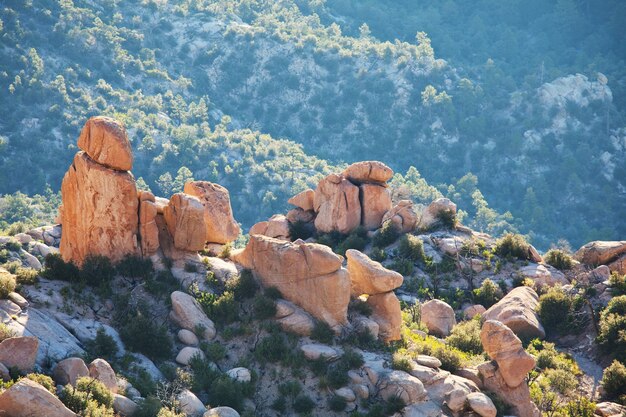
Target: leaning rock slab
{"type": "Point", "coordinates": [19, 352]}
{"type": "Point", "coordinates": [438, 316]}
{"type": "Point", "coordinates": [27, 398]}
{"type": "Point", "coordinates": [105, 141]}
{"type": "Point", "coordinates": [370, 277]}
{"type": "Point", "coordinates": [303, 200]}
{"type": "Point", "coordinates": [221, 226]}
{"type": "Point", "coordinates": [189, 315]}
{"type": "Point", "coordinates": [517, 311]}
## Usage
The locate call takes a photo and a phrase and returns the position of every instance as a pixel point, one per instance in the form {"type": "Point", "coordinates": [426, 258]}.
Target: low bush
{"type": "Point", "coordinates": [451, 358]}
{"type": "Point", "coordinates": [214, 351]}
{"type": "Point", "coordinates": [13, 245]}
{"type": "Point", "coordinates": [143, 335]}
{"type": "Point", "coordinates": [512, 246]}
{"type": "Point", "coordinates": [102, 346]}
{"type": "Point", "coordinates": [89, 398]}
{"type": "Point", "coordinates": [548, 357]}
{"type": "Point", "coordinates": [7, 284]}
{"type": "Point", "coordinates": [580, 407]}
{"type": "Point", "coordinates": [96, 390]}
{"type": "Point", "coordinates": [26, 276]}
{"type": "Point", "coordinates": [6, 332]}
{"type": "Point", "coordinates": [559, 312]}
{"type": "Point", "coordinates": [617, 282]}
{"type": "Point", "coordinates": [168, 412]}
{"type": "Point", "coordinates": [402, 362]}
{"type": "Point", "coordinates": [148, 407]}
{"type": "Point", "coordinates": [273, 293]}
{"type": "Point", "coordinates": [133, 266]}
{"type": "Point", "coordinates": [322, 332]}
{"type": "Point", "coordinates": [614, 382]}
{"type": "Point", "coordinates": [243, 286]}
{"type": "Point", "coordinates": [402, 266]}
{"type": "Point", "coordinates": [222, 309]}
{"type": "Point", "coordinates": [378, 254]}
{"type": "Point", "coordinates": [386, 235]}
{"type": "Point", "coordinates": [559, 259]}
{"type": "Point", "coordinates": [43, 380]}
{"type": "Point", "coordinates": [465, 336]}
{"type": "Point", "coordinates": [57, 269]}
{"type": "Point", "coordinates": [264, 307]}
{"type": "Point", "coordinates": [272, 348]}
{"type": "Point", "coordinates": [487, 294]}
{"type": "Point", "coordinates": [412, 248]}
{"type": "Point", "coordinates": [337, 403]}
{"type": "Point", "coordinates": [161, 284]}
{"type": "Point", "coordinates": [613, 328]}
{"type": "Point", "coordinates": [357, 239]}
{"type": "Point", "coordinates": [303, 404]}
{"type": "Point", "coordinates": [97, 270]}
{"type": "Point", "coordinates": [447, 219]}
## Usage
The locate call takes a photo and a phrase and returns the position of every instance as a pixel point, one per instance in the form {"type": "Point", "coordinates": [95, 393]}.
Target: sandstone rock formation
{"type": "Point", "coordinates": [431, 215]}
{"type": "Point", "coordinates": [375, 203]}
{"type": "Point", "coordinates": [337, 205]}
{"type": "Point", "coordinates": [308, 274]}
{"type": "Point", "coordinates": [277, 227]}
{"type": "Point", "coordinates": [148, 229]}
{"type": "Point", "coordinates": [27, 398]}
{"type": "Point", "coordinates": [470, 311]}
{"type": "Point", "coordinates": [221, 226]}
{"type": "Point", "coordinates": [517, 311]}
{"type": "Point", "coordinates": [506, 349]}
{"type": "Point", "coordinates": [400, 384]}
{"type": "Point", "coordinates": [105, 141]}
{"type": "Point", "coordinates": [402, 216]}
{"type": "Point", "coordinates": [69, 370]}
{"type": "Point", "coordinates": [600, 252]}
{"type": "Point", "coordinates": [438, 317]}
{"type": "Point", "coordinates": [387, 313]}
{"type": "Point", "coordinates": [518, 397]}
{"type": "Point", "coordinates": [184, 216]}
{"type": "Point", "coordinates": [124, 406]}
{"type": "Point", "coordinates": [368, 172]}
{"type": "Point", "coordinates": [370, 277]}
{"type": "Point", "coordinates": [303, 200]}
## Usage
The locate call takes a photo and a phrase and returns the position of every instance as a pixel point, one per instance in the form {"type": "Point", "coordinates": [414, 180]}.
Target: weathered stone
{"type": "Point", "coordinates": [5, 374]}
{"type": "Point", "coordinates": [431, 215]}
{"type": "Point", "coordinates": [30, 260]}
{"type": "Point", "coordinates": [403, 216]}
{"type": "Point", "coordinates": [455, 399]}
{"type": "Point", "coordinates": [189, 315]}
{"type": "Point", "coordinates": [368, 171]}
{"type": "Point", "coordinates": [101, 370]}
{"type": "Point", "coordinates": [283, 309]}
{"type": "Point", "coordinates": [387, 313]}
{"type": "Point", "coordinates": [190, 405]}
{"type": "Point", "coordinates": [188, 337]}
{"type": "Point", "coordinates": [298, 322]}
{"type": "Point", "coordinates": [400, 384]}
{"type": "Point", "coordinates": [277, 227]}
{"type": "Point", "coordinates": [69, 370]}
{"type": "Point", "coordinates": [425, 374]}
{"type": "Point", "coordinates": [481, 404]}
{"type": "Point", "coordinates": [473, 310]}
{"type": "Point", "coordinates": [148, 229]}
{"type": "Point", "coordinates": [313, 351]}
{"type": "Point", "coordinates": [99, 212]}
{"type": "Point", "coordinates": [221, 412]}
{"type": "Point", "coordinates": [429, 361]}
{"type": "Point", "coordinates": [105, 141]}
{"type": "Point", "coordinates": [517, 311]}
{"type": "Point", "coordinates": [609, 409]}
{"type": "Point", "coordinates": [187, 353]}
{"type": "Point", "coordinates": [370, 277]}
{"type": "Point", "coordinates": [19, 352]}
{"type": "Point", "coordinates": [375, 203]}
{"type": "Point", "coordinates": [346, 393]}
{"type": "Point", "coordinates": [518, 397]}
{"type": "Point", "coordinates": [438, 317]}
{"type": "Point", "coordinates": [124, 406]}
{"type": "Point", "coordinates": [27, 398]}
{"type": "Point", "coordinates": [506, 349]}
{"type": "Point", "coordinates": [221, 226]}
{"type": "Point", "coordinates": [361, 391]}
{"type": "Point", "coordinates": [600, 252]}
{"type": "Point", "coordinates": [303, 200]}
{"type": "Point", "coordinates": [184, 216]}
{"type": "Point", "coordinates": [18, 299]}
{"type": "Point", "coordinates": [337, 205]}
{"type": "Point", "coordinates": [619, 265]}
{"type": "Point", "coordinates": [240, 374]}
{"type": "Point", "coordinates": [544, 275]}
{"type": "Point", "coordinates": [307, 274]}
{"type": "Point", "coordinates": [362, 323]}
{"type": "Point", "coordinates": [298, 215]}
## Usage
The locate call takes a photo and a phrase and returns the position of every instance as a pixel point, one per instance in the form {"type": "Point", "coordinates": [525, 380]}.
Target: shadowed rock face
{"type": "Point", "coordinates": [308, 274]}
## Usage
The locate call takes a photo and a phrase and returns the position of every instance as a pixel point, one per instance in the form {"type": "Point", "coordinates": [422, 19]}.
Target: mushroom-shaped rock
{"type": "Point", "coordinates": [69, 370]}
{"type": "Point", "coordinates": [432, 215]}
{"type": "Point", "coordinates": [27, 398]}
{"type": "Point", "coordinates": [402, 216]}
{"type": "Point", "coordinates": [105, 141]}
{"type": "Point", "coordinates": [506, 349]}
{"type": "Point", "coordinates": [600, 252]}
{"type": "Point", "coordinates": [221, 412]}
{"type": "Point", "coordinates": [101, 370]}
{"type": "Point", "coordinates": [303, 200]}
{"type": "Point", "coordinates": [124, 406]}
{"type": "Point", "coordinates": [221, 226]}
{"type": "Point", "coordinates": [387, 313]}
{"type": "Point", "coordinates": [517, 311]}
{"type": "Point", "coordinates": [307, 274]}
{"type": "Point", "coordinates": [99, 212]}
{"type": "Point", "coordinates": [370, 277]}
{"type": "Point", "coordinates": [481, 404]}
{"type": "Point", "coordinates": [337, 205]}
{"type": "Point", "coordinates": [400, 384]}
{"type": "Point", "coordinates": [189, 315]}
{"type": "Point", "coordinates": [184, 216]}
{"type": "Point", "coordinates": [19, 352]}
{"type": "Point", "coordinates": [375, 202]}
{"type": "Point", "coordinates": [438, 317]}
{"type": "Point", "coordinates": [367, 172]}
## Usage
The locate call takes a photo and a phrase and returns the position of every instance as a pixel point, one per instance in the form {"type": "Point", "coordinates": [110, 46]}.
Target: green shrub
{"type": "Point", "coordinates": [402, 266]}
{"type": "Point", "coordinates": [12, 266]}
{"type": "Point", "coordinates": [303, 404]}
{"type": "Point", "coordinates": [4, 255]}
{"type": "Point", "coordinates": [512, 246]}
{"type": "Point", "coordinates": [224, 391]}
{"type": "Point", "coordinates": [617, 282]}
{"type": "Point", "coordinates": [301, 230]}
{"type": "Point", "coordinates": [331, 239]}
{"type": "Point", "coordinates": [168, 412]}
{"type": "Point", "coordinates": [351, 359]}
{"type": "Point", "coordinates": [13, 245]}
{"type": "Point", "coordinates": [43, 380]}
{"type": "Point", "coordinates": [133, 266]}
{"type": "Point", "coordinates": [102, 346]}
{"type": "Point", "coordinates": [548, 357]}
{"type": "Point", "coordinates": [488, 294]}
{"type": "Point", "coordinates": [89, 398]}
{"type": "Point", "coordinates": [337, 403]}
{"type": "Point", "coordinates": [273, 293]}
{"type": "Point", "coordinates": [225, 253]}
{"type": "Point", "coordinates": [378, 254]}
{"type": "Point", "coordinates": [272, 348]}
{"type": "Point", "coordinates": [322, 332]}
{"type": "Point", "coordinates": [386, 235]}
{"type": "Point", "coordinates": [57, 269]}
{"type": "Point", "coordinates": [465, 336]}
{"type": "Point", "coordinates": [447, 219]}
{"type": "Point", "coordinates": [148, 407]}
{"type": "Point", "coordinates": [411, 247]}
{"type": "Point", "coordinates": [357, 239]}
{"type": "Point", "coordinates": [6, 332]}
{"type": "Point", "coordinates": [96, 390]}
{"type": "Point", "coordinates": [244, 286]}
{"type": "Point", "coordinates": [7, 284]}
{"type": "Point", "coordinates": [143, 335]}
{"type": "Point", "coordinates": [614, 381]}
{"type": "Point", "coordinates": [26, 276]}
{"type": "Point", "coordinates": [559, 312]}
{"type": "Point", "coordinates": [580, 407]}
{"type": "Point", "coordinates": [162, 284]}
{"type": "Point", "coordinates": [214, 351]}
{"type": "Point", "coordinates": [402, 362]}
{"type": "Point", "coordinates": [280, 405]}
{"type": "Point", "coordinates": [264, 307]}
{"type": "Point", "coordinates": [290, 389]}
{"type": "Point", "coordinates": [558, 259]}
{"type": "Point", "coordinates": [393, 405]}
{"type": "Point", "coordinates": [97, 270]}
{"type": "Point", "coordinates": [222, 309]}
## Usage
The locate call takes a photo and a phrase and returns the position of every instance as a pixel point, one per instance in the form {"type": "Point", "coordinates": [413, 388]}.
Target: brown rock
{"type": "Point", "coordinates": [506, 349]}
{"type": "Point", "coordinates": [184, 216]}
{"type": "Point", "coordinates": [471, 311]}
{"type": "Point", "coordinates": [438, 316]}
{"type": "Point", "coordinates": [518, 397]}
{"type": "Point", "coordinates": [403, 216]}
{"type": "Point", "coordinates": [104, 140]}
{"type": "Point", "coordinates": [387, 313]}
{"type": "Point", "coordinates": [368, 171]}
{"type": "Point", "coordinates": [278, 227]}
{"type": "Point", "coordinates": [101, 370]}
{"type": "Point", "coordinates": [303, 200]}
{"type": "Point", "coordinates": [619, 265]}
{"type": "Point", "coordinates": [370, 277]}
{"type": "Point", "coordinates": [600, 252]}
{"type": "Point", "coordinates": [400, 384]}
{"type": "Point", "coordinates": [221, 226]}
{"type": "Point", "coordinates": [337, 205]}
{"type": "Point", "coordinates": [27, 398]}
{"type": "Point", "coordinates": [517, 311]}
{"type": "Point", "coordinates": [69, 370]}
{"type": "Point", "coordinates": [259, 228]}
{"type": "Point", "coordinates": [299, 215]}
{"type": "Point", "coordinates": [99, 212]}
{"type": "Point", "coordinates": [307, 274]}
{"type": "Point", "coordinates": [19, 352]}
{"type": "Point", "coordinates": [148, 229]}
{"type": "Point", "coordinates": [375, 202]}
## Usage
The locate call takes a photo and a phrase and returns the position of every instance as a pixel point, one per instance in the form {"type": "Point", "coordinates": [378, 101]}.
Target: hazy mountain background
{"type": "Point", "coordinates": [514, 109]}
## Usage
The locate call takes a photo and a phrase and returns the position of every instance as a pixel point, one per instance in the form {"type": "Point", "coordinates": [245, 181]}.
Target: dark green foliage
{"type": "Point", "coordinates": [322, 332]}
{"type": "Point", "coordinates": [394, 404]}
{"type": "Point", "coordinates": [447, 219]}
{"type": "Point", "coordinates": [57, 269]}
{"type": "Point", "coordinates": [559, 259]}
{"type": "Point", "coordinates": [264, 307]}
{"type": "Point", "coordinates": [465, 336]}
{"type": "Point", "coordinates": [617, 282]}
{"type": "Point", "coordinates": [580, 407]}
{"type": "Point", "coordinates": [7, 285]}
{"type": "Point", "coordinates": [13, 245]}
{"type": "Point", "coordinates": [337, 403]}
{"type": "Point", "coordinates": [273, 293]}
{"type": "Point", "coordinates": [331, 239]}
{"type": "Point", "coordinates": [142, 334]}
{"type": "Point", "coordinates": [222, 309]}
{"type": "Point", "coordinates": [385, 236]}
{"type": "Point", "coordinates": [351, 359]}
{"type": "Point", "coordinates": [319, 366]}
{"type": "Point", "coordinates": [88, 391]}
{"type": "Point", "coordinates": [96, 390]}
{"type": "Point", "coordinates": [412, 248]}
{"type": "Point", "coordinates": [102, 346]}
{"type": "Point", "coordinates": [43, 380]}
{"type": "Point", "coordinates": [290, 389]}
{"type": "Point", "coordinates": [213, 351]}
{"type": "Point", "coordinates": [614, 381]}
{"type": "Point", "coordinates": [488, 294]}
{"type": "Point", "coordinates": [303, 404]}
{"type": "Point", "coordinates": [357, 239]}
{"type": "Point", "coordinates": [561, 313]}
{"type": "Point", "coordinates": [149, 407]}
{"type": "Point", "coordinates": [272, 348]}
{"type": "Point", "coordinates": [613, 327]}
{"type": "Point", "coordinates": [402, 266]}
{"type": "Point", "coordinates": [244, 286]}
{"type": "Point", "coordinates": [378, 254]}
{"type": "Point", "coordinates": [133, 266]}
{"type": "Point", "coordinates": [161, 284]}
{"type": "Point", "coordinates": [360, 307]}
{"type": "Point", "coordinates": [97, 270]}
{"type": "Point", "coordinates": [512, 246]}
{"type": "Point", "coordinates": [222, 390]}
{"type": "Point", "coordinates": [301, 230]}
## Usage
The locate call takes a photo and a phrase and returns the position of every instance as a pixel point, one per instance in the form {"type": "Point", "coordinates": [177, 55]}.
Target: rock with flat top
{"type": "Point", "coordinates": [600, 252]}
{"type": "Point", "coordinates": [368, 172]}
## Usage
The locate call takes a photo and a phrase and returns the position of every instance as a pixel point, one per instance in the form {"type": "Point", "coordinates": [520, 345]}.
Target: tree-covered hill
{"type": "Point", "coordinates": [207, 88]}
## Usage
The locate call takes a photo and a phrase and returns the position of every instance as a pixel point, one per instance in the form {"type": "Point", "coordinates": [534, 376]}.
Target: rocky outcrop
{"type": "Point", "coordinates": [303, 200]}
{"type": "Point", "coordinates": [506, 349]}
{"type": "Point", "coordinates": [400, 384]}
{"type": "Point", "coordinates": [277, 227]}
{"type": "Point", "coordinates": [27, 398]}
{"type": "Point", "coordinates": [184, 216]}
{"type": "Point", "coordinates": [518, 397]}
{"type": "Point", "coordinates": [600, 252]}
{"type": "Point", "coordinates": [387, 313]}
{"type": "Point", "coordinates": [148, 229]}
{"type": "Point", "coordinates": [544, 275]}
{"type": "Point", "coordinates": [105, 141]}
{"type": "Point", "coordinates": [438, 317]}
{"type": "Point", "coordinates": [99, 212]}
{"type": "Point", "coordinates": [402, 216]}
{"type": "Point", "coordinates": [370, 277]}
{"type": "Point", "coordinates": [618, 265]}
{"type": "Point", "coordinates": [471, 311]}
{"type": "Point", "coordinates": [368, 172]}
{"type": "Point", "coordinates": [69, 370]}
{"type": "Point", "coordinates": [517, 311]}
{"type": "Point", "coordinates": [221, 226]}
{"type": "Point", "coordinates": [307, 274]}
{"type": "Point", "coordinates": [375, 203]}
{"type": "Point", "coordinates": [432, 214]}
{"type": "Point", "coordinates": [187, 313]}
{"type": "Point", "coordinates": [336, 202]}
{"type": "Point", "coordinates": [19, 352]}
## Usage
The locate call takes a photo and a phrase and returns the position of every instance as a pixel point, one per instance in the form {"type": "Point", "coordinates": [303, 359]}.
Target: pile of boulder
{"type": "Point", "coordinates": [610, 253]}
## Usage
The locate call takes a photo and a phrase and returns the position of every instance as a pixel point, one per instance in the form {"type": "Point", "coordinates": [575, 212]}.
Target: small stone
{"type": "Point", "coordinates": [346, 393]}
{"type": "Point", "coordinates": [187, 353]}
{"type": "Point", "coordinates": [313, 351]}
{"type": "Point", "coordinates": [429, 361]}
{"type": "Point", "coordinates": [188, 337]}
{"type": "Point", "coordinates": [240, 374]}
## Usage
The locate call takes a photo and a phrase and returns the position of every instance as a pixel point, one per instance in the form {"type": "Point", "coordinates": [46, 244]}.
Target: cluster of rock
{"type": "Point", "coordinates": [610, 253]}
{"type": "Point", "coordinates": [104, 214]}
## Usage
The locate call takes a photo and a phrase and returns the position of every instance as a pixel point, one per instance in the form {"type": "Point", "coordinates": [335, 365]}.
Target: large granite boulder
{"type": "Point", "coordinates": [387, 313]}
{"type": "Point", "coordinates": [303, 200]}
{"type": "Point", "coordinates": [368, 172]}
{"type": "Point", "coordinates": [221, 226]}
{"type": "Point", "coordinates": [187, 313]}
{"type": "Point", "coordinates": [105, 141]}
{"type": "Point", "coordinates": [402, 216]}
{"type": "Point", "coordinates": [27, 398]}
{"type": "Point", "coordinates": [438, 317]}
{"type": "Point", "coordinates": [69, 370]}
{"type": "Point", "coordinates": [184, 216]}
{"type": "Point", "coordinates": [600, 252]}
{"type": "Point", "coordinates": [148, 229]}
{"type": "Point", "coordinates": [375, 203]}
{"type": "Point", "coordinates": [517, 311]}
{"type": "Point", "coordinates": [19, 352]}
{"type": "Point", "coordinates": [336, 202]}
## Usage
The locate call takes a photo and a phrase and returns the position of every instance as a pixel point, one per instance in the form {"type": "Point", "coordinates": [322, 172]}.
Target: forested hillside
{"type": "Point", "coordinates": [515, 103]}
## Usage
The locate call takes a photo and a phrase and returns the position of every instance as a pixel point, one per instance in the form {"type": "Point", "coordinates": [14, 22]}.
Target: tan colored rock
{"type": "Point", "coordinates": [307, 274]}
{"type": "Point", "coordinates": [481, 404]}
{"type": "Point", "coordinates": [533, 254]}
{"type": "Point", "coordinates": [303, 200]}
{"type": "Point", "coordinates": [430, 215]}
{"type": "Point", "coordinates": [619, 265]}
{"type": "Point", "coordinates": [188, 337]}
{"type": "Point", "coordinates": [99, 212]}
{"type": "Point", "coordinates": [368, 171]}
{"type": "Point", "coordinates": [148, 229]}
{"type": "Point", "coordinates": [298, 215]}
{"type": "Point", "coordinates": [27, 398]}
{"type": "Point", "coordinates": [403, 216]}
{"type": "Point", "coordinates": [517, 311]}
{"type": "Point", "coordinates": [544, 275]}
{"type": "Point", "coordinates": [298, 322]}
{"type": "Point", "coordinates": [375, 203]}
{"type": "Point", "coordinates": [438, 317]}
{"type": "Point", "coordinates": [189, 404]}
{"type": "Point", "coordinates": [506, 349]}
{"type": "Point", "coordinates": [19, 352]}
{"type": "Point", "coordinates": [105, 141]}
{"type": "Point", "coordinates": [221, 412]}
{"type": "Point", "coordinates": [184, 216]}
{"type": "Point", "coordinates": [69, 370]}
{"type": "Point", "coordinates": [471, 311]}
{"type": "Point", "coordinates": [387, 313]}
{"type": "Point", "coordinates": [124, 406]}
{"type": "Point", "coordinates": [218, 215]}
{"type": "Point", "coordinates": [365, 324]}
{"type": "Point", "coordinates": [370, 277]}
{"type": "Point", "coordinates": [518, 397]}
{"type": "Point", "coordinates": [259, 228]}
{"type": "Point", "coordinates": [400, 384]}
{"type": "Point", "coordinates": [278, 227]}
{"type": "Point", "coordinates": [609, 409]}
{"type": "Point", "coordinates": [337, 205]}
{"type": "Point", "coordinates": [189, 315]}
{"type": "Point", "coordinates": [600, 252]}
{"type": "Point", "coordinates": [313, 351]}
{"type": "Point", "coordinates": [187, 353]}
{"type": "Point", "coordinates": [101, 370]}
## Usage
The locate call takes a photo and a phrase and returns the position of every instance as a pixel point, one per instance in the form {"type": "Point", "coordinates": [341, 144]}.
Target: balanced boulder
{"type": "Point", "coordinates": [438, 317]}
{"type": "Point", "coordinates": [368, 172]}
{"type": "Point", "coordinates": [221, 226]}
{"type": "Point", "coordinates": [105, 141]}
{"type": "Point", "coordinates": [517, 311]}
